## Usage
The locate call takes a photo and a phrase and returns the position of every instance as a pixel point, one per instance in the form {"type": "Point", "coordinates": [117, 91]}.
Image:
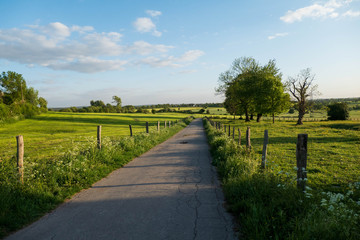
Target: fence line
{"type": "Point", "coordinates": [301, 151]}
{"type": "Point", "coordinates": [20, 143]}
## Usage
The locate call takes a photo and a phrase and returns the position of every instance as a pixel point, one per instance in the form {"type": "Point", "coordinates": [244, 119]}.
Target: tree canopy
{"type": "Point", "coordinates": [250, 88]}
{"type": "Point", "coordinates": [17, 99]}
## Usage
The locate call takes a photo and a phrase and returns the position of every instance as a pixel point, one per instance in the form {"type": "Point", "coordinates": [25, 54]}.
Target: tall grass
{"type": "Point", "coordinates": [49, 181]}
{"type": "Point", "coordinates": [267, 203]}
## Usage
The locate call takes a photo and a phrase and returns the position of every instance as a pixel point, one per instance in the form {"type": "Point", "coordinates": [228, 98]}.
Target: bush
{"type": "Point", "coordinates": [338, 111]}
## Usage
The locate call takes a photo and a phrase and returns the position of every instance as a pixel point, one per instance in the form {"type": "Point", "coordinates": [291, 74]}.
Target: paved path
{"type": "Point", "coordinates": [170, 192]}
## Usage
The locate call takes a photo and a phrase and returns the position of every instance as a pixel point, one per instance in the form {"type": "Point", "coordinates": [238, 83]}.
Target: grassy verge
{"type": "Point", "coordinates": [48, 182]}
{"type": "Point", "coordinates": [269, 206]}
{"type": "Point", "coordinates": [51, 133]}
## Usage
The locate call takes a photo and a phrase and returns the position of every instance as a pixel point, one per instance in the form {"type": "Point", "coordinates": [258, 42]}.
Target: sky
{"type": "Point", "coordinates": [155, 52]}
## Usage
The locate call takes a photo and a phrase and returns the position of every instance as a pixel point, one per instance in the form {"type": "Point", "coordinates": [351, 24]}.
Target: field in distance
{"type": "Point", "coordinates": [49, 134]}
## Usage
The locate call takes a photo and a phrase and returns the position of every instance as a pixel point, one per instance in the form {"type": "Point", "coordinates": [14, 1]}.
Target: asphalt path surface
{"type": "Point", "coordinates": [170, 192]}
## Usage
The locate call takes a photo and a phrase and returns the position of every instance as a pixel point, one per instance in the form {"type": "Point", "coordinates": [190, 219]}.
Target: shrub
{"type": "Point", "coordinates": [338, 111]}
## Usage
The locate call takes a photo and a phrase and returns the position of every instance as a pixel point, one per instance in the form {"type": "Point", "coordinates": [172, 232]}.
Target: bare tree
{"type": "Point", "coordinates": [301, 88]}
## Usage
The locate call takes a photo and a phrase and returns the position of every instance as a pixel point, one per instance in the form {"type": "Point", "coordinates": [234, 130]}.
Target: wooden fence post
{"type": "Point", "coordinates": [20, 156]}
{"type": "Point", "coordinates": [165, 124]}
{"type": "Point", "coordinates": [225, 129]}
{"type": "Point", "coordinates": [233, 133]}
{"type": "Point", "coordinates": [239, 136]}
{"type": "Point", "coordinates": [147, 127]}
{"type": "Point", "coordinates": [99, 136]}
{"type": "Point", "coordinates": [264, 151]}
{"type": "Point", "coordinates": [130, 130]}
{"type": "Point", "coordinates": [248, 141]}
{"type": "Point", "coordinates": [158, 126]}
{"type": "Point", "coordinates": [229, 132]}
{"type": "Point", "coordinates": [169, 124]}
{"type": "Point", "coordinates": [301, 159]}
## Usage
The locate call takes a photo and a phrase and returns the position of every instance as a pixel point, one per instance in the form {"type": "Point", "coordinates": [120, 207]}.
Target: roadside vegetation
{"type": "Point", "coordinates": [52, 176]}
{"type": "Point", "coordinates": [267, 203]}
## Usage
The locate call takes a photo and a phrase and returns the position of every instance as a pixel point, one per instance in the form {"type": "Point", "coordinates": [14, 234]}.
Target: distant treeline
{"type": "Point", "coordinates": [17, 100]}
{"type": "Point", "coordinates": [99, 106]}
{"type": "Point", "coordinates": [322, 104]}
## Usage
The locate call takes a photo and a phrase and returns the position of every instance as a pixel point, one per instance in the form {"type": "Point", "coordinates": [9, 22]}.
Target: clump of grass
{"type": "Point", "coordinates": [49, 181]}
{"type": "Point", "coordinates": [269, 206]}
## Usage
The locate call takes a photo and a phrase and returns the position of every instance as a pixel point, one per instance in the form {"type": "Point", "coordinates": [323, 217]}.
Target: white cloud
{"type": "Point", "coordinates": [190, 56]}
{"type": "Point", "coordinates": [277, 35]}
{"type": "Point", "coordinates": [317, 10]}
{"type": "Point", "coordinates": [89, 65]}
{"type": "Point", "coordinates": [145, 48]}
{"type": "Point", "coordinates": [82, 29]}
{"type": "Point", "coordinates": [351, 13]}
{"type": "Point", "coordinates": [59, 47]}
{"type": "Point", "coordinates": [153, 13]}
{"type": "Point", "coordinates": [172, 61]}
{"type": "Point", "coordinates": [144, 25]}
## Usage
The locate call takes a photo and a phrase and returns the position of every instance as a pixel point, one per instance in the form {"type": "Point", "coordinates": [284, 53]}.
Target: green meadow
{"type": "Point", "coordinates": [333, 149]}
{"type": "Point", "coordinates": [51, 133]}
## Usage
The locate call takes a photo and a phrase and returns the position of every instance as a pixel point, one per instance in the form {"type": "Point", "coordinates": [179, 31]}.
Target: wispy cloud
{"type": "Point", "coordinates": [277, 35]}
{"type": "Point", "coordinates": [351, 13]}
{"type": "Point", "coordinates": [317, 10]}
{"type": "Point", "coordinates": [82, 49]}
{"type": "Point", "coordinates": [172, 61]}
{"type": "Point", "coordinates": [153, 13]}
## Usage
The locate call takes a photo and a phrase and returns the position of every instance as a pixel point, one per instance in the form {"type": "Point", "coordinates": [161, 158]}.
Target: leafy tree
{"type": "Point", "coordinates": [301, 88]}
{"type": "Point", "coordinates": [117, 101]}
{"type": "Point", "coordinates": [13, 87]}
{"type": "Point", "coordinates": [19, 99]}
{"type": "Point", "coordinates": [250, 88]}
{"type": "Point", "coordinates": [338, 111]}
{"type": "Point", "coordinates": [97, 103]}
{"type": "Point", "coordinates": [43, 104]}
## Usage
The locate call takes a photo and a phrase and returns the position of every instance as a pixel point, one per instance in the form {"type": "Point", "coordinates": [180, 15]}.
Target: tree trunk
{"type": "Point", "coordinates": [273, 117]}
{"type": "Point", "coordinates": [252, 116]}
{"type": "Point", "coordinates": [234, 116]}
{"type": "Point", "coordinates": [247, 119]}
{"type": "Point", "coordinates": [301, 114]}
{"type": "Point", "coordinates": [258, 117]}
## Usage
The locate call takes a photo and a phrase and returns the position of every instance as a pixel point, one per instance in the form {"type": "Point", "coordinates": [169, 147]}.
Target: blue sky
{"type": "Point", "coordinates": [150, 52]}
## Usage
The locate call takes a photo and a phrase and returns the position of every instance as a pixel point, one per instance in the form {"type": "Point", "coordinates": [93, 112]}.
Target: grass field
{"type": "Point", "coordinates": [333, 149]}
{"type": "Point", "coordinates": [49, 134]}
